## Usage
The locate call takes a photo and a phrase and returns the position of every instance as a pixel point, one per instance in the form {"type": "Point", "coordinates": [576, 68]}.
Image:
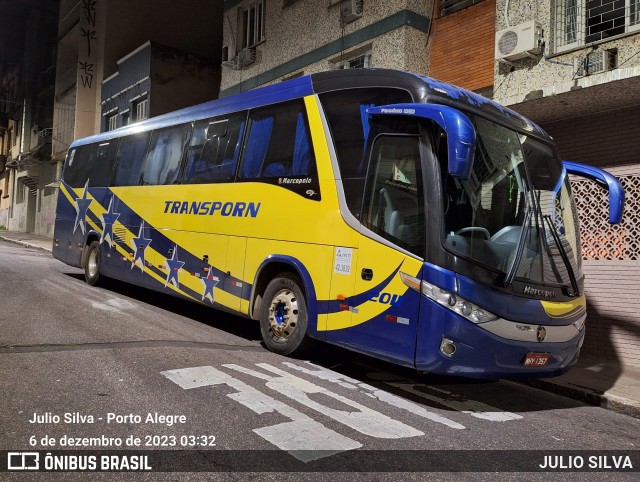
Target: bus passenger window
{"type": "Point", "coordinates": [162, 163]}
{"type": "Point", "coordinates": [76, 170]}
{"type": "Point", "coordinates": [131, 154]}
{"type": "Point", "coordinates": [102, 168]}
{"type": "Point", "coordinates": [93, 162]}
{"type": "Point", "coordinates": [278, 144]}
{"type": "Point", "coordinates": [394, 206]}
{"type": "Point", "coordinates": [214, 150]}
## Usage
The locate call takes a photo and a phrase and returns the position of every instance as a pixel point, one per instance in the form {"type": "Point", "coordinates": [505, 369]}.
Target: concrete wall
{"type": "Point", "coordinates": [308, 37]}
{"type": "Point", "coordinates": [181, 80]}
{"type": "Point", "coordinates": [4, 217]}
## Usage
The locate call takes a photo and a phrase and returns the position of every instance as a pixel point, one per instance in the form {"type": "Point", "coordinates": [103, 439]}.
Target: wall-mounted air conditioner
{"type": "Point", "coordinates": [519, 41]}
{"type": "Point", "coordinates": [597, 61]}
{"type": "Point", "coordinates": [246, 57]}
{"type": "Point", "coordinates": [351, 10]}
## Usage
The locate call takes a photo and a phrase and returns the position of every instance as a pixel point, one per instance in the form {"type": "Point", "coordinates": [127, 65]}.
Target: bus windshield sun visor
{"type": "Point", "coordinates": [608, 181]}
{"type": "Point", "coordinates": [461, 135]}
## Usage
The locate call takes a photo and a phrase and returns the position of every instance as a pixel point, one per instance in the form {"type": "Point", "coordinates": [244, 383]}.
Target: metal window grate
{"type": "Point", "coordinates": [579, 22]}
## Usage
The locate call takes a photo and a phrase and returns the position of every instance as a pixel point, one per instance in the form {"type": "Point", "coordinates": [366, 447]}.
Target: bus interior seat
{"type": "Point", "coordinates": [275, 169]}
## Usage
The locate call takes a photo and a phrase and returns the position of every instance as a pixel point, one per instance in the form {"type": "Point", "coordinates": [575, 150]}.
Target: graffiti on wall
{"type": "Point", "coordinates": [88, 31]}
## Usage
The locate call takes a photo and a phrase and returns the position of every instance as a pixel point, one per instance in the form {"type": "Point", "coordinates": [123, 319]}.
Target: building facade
{"type": "Point", "coordinates": [574, 68]}
{"type": "Point", "coordinates": [26, 97]}
{"type": "Point", "coordinates": [266, 41]}
{"type": "Point", "coordinates": [53, 95]}
{"type": "Point", "coordinates": [154, 79]}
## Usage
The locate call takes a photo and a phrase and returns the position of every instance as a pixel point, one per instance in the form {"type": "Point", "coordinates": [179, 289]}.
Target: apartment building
{"type": "Point", "coordinates": [573, 66]}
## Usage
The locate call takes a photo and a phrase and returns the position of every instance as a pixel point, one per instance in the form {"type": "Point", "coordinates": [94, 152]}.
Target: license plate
{"type": "Point", "coordinates": [536, 359]}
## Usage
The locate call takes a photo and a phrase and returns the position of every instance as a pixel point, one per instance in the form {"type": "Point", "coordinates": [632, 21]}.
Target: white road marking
{"type": "Point", "coordinates": [383, 396]}
{"type": "Point", "coordinates": [471, 407]}
{"type": "Point", "coordinates": [363, 419]}
{"type": "Point", "coordinates": [114, 305]}
{"type": "Point", "coordinates": [303, 437]}
{"type": "Point", "coordinates": [451, 400]}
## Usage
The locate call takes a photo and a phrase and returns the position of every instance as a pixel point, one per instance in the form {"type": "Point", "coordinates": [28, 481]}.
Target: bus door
{"type": "Point", "coordinates": [385, 311]}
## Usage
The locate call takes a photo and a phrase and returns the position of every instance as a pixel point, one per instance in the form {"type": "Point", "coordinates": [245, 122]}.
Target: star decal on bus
{"type": "Point", "coordinates": [108, 220]}
{"type": "Point", "coordinates": [209, 281]}
{"type": "Point", "coordinates": [139, 245]}
{"type": "Point", "coordinates": [82, 206]}
{"type": "Point", "coordinates": [173, 266]}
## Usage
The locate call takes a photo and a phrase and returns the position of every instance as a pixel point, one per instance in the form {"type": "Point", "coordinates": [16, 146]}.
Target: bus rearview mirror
{"type": "Point", "coordinates": [461, 135]}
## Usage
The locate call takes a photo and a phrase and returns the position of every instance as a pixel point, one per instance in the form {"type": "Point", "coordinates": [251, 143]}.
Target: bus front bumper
{"type": "Point", "coordinates": [451, 345]}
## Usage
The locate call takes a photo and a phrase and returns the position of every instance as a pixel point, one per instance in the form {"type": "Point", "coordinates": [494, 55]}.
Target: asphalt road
{"type": "Point", "coordinates": [117, 368]}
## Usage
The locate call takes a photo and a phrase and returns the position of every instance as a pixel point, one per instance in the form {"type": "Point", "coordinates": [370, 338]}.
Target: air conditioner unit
{"type": "Point", "coordinates": [246, 57]}
{"type": "Point", "coordinates": [597, 61]}
{"type": "Point", "coordinates": [350, 10]}
{"type": "Point", "coordinates": [519, 41]}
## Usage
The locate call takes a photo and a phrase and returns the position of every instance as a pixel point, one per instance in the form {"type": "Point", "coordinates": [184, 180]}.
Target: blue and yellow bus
{"type": "Point", "coordinates": [377, 210]}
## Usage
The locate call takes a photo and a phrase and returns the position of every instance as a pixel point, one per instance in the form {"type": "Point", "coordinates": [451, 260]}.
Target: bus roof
{"type": "Point", "coordinates": [422, 90]}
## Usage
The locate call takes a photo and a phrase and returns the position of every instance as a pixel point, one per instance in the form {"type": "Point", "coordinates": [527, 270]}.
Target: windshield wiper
{"type": "Point", "coordinates": [534, 207]}
{"type": "Point", "coordinates": [563, 255]}
{"type": "Point", "coordinates": [511, 272]}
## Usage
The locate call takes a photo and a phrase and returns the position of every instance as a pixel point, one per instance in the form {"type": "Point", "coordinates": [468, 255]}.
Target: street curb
{"type": "Point", "coordinates": [605, 400]}
{"type": "Point", "coordinates": [26, 244]}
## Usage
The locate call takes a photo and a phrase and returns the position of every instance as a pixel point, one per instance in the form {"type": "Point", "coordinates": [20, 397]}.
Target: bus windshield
{"type": "Point", "coordinates": [515, 213]}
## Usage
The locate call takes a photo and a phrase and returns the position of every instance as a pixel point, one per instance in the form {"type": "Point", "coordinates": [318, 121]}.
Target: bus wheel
{"type": "Point", "coordinates": [283, 317]}
{"type": "Point", "coordinates": [92, 263]}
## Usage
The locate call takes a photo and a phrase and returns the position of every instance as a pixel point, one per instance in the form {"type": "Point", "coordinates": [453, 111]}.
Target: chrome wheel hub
{"type": "Point", "coordinates": [92, 263]}
{"type": "Point", "coordinates": [283, 313]}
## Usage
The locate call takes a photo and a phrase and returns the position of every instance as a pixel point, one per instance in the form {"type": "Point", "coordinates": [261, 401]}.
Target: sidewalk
{"type": "Point", "coordinates": [603, 383]}
{"type": "Point", "coordinates": [28, 240]}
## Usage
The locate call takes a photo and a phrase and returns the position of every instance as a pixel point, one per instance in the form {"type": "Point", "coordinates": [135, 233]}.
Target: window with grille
{"type": "Point", "coordinates": [580, 22]}
{"type": "Point", "coordinates": [359, 62]}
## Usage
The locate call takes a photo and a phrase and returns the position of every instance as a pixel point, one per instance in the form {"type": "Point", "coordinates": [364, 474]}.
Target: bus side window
{"type": "Point", "coordinates": [102, 164]}
{"type": "Point", "coordinates": [162, 163]}
{"type": "Point", "coordinates": [131, 154]}
{"type": "Point", "coordinates": [348, 121]}
{"type": "Point", "coordinates": [215, 145]}
{"type": "Point", "coordinates": [394, 206]}
{"type": "Point", "coordinates": [76, 171]}
{"type": "Point", "coordinates": [278, 143]}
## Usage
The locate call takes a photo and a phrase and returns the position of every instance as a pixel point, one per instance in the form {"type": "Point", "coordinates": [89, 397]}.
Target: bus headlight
{"type": "Point", "coordinates": [580, 323]}
{"type": "Point", "coordinates": [449, 300]}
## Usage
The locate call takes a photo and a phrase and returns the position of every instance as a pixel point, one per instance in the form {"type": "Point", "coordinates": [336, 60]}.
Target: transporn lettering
{"type": "Point", "coordinates": [233, 209]}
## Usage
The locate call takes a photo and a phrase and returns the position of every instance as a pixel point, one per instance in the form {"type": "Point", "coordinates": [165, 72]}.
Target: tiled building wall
{"type": "Point", "coordinates": [463, 47]}
{"type": "Point", "coordinates": [611, 253]}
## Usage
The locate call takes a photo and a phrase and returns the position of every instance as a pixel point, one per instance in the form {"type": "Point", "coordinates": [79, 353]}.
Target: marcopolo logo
{"type": "Point", "coordinates": [23, 461]}
{"type": "Point", "coordinates": [529, 290]}
{"type": "Point", "coordinates": [288, 180]}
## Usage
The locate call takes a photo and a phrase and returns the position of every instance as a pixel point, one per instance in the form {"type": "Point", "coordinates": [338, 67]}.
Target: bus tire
{"type": "Point", "coordinates": [283, 315]}
{"type": "Point", "coordinates": [92, 263]}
